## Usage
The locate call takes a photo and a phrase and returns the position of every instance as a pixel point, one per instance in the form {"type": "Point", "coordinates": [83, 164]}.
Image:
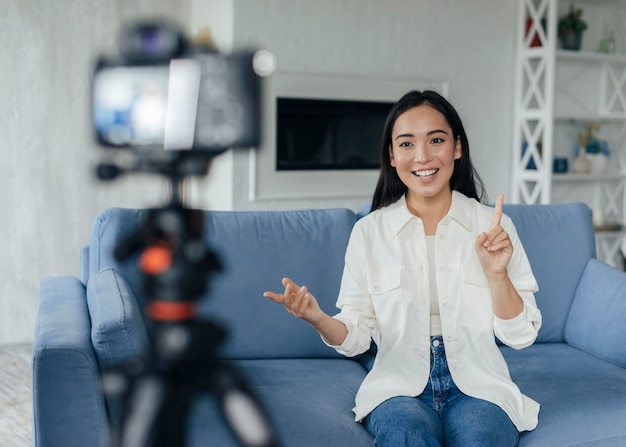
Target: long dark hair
{"type": "Point", "coordinates": [464, 179]}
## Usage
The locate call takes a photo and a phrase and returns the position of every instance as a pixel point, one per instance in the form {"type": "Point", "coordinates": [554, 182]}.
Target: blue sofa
{"type": "Point", "coordinates": [576, 369]}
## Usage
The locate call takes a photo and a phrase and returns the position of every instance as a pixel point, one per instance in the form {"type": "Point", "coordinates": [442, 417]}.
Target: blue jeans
{"type": "Point", "coordinates": [441, 416]}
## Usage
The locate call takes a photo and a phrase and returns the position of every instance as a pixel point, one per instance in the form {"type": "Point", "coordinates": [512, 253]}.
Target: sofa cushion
{"type": "Point", "coordinates": [308, 401]}
{"type": "Point", "coordinates": [559, 240]}
{"type": "Point", "coordinates": [118, 333]}
{"type": "Point", "coordinates": [582, 397]}
{"type": "Point", "coordinates": [596, 321]}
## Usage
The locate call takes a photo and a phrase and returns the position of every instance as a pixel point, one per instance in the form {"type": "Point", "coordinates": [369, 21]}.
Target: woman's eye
{"type": "Point", "coordinates": [437, 140]}
{"type": "Point", "coordinates": [405, 144]}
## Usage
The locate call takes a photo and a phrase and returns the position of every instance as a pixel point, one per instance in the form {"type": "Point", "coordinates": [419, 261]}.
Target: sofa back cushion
{"type": "Point", "coordinates": [596, 321]}
{"type": "Point", "coordinates": [559, 241]}
{"type": "Point", "coordinates": [256, 249]}
{"type": "Point", "coordinates": [118, 333]}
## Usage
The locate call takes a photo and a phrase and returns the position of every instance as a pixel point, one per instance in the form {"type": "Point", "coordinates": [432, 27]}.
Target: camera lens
{"type": "Point", "coordinates": [151, 42]}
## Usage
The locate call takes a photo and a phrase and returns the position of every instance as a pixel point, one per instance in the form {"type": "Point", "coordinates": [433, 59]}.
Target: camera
{"type": "Point", "coordinates": [163, 93]}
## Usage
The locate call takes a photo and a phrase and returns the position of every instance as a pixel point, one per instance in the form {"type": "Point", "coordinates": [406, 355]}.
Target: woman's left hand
{"type": "Point", "coordinates": [494, 247]}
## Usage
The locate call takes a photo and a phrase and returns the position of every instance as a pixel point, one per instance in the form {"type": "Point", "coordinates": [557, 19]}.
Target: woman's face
{"type": "Point", "coordinates": [423, 151]}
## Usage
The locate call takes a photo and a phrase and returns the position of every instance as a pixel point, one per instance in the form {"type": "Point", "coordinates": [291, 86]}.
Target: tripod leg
{"type": "Point", "coordinates": [241, 410]}
{"type": "Point", "coordinates": [145, 402]}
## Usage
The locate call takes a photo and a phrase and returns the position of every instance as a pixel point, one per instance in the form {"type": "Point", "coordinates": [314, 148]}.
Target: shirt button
{"type": "Point", "coordinates": [436, 343]}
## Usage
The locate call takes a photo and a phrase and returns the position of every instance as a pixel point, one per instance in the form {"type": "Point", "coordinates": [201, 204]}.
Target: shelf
{"type": "Point", "coordinates": [610, 234]}
{"type": "Point", "coordinates": [590, 57]}
{"type": "Point", "coordinates": [558, 93]}
{"type": "Point", "coordinates": [616, 118]}
{"type": "Point", "coordinates": [604, 177]}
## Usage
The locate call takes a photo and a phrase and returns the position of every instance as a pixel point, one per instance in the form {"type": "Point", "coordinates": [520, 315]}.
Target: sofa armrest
{"type": "Point", "coordinates": [68, 406]}
{"type": "Point", "coordinates": [596, 320]}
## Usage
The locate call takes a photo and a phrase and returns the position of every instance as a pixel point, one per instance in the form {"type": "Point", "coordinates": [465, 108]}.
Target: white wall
{"type": "Point", "coordinates": [49, 195]}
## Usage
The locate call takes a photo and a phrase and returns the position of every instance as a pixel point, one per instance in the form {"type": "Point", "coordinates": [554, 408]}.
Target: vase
{"type": "Point", "coordinates": [598, 163]}
{"type": "Point", "coordinates": [581, 164]}
{"type": "Point", "coordinates": [572, 40]}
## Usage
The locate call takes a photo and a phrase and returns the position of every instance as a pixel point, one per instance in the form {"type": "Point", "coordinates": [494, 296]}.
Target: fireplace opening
{"type": "Point", "coordinates": [320, 134]}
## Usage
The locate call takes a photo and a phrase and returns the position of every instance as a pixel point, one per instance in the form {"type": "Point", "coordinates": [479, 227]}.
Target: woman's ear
{"type": "Point", "coordinates": [391, 160]}
{"type": "Point", "coordinates": [458, 149]}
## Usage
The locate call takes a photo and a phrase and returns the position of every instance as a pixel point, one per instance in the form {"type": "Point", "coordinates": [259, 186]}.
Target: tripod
{"type": "Point", "coordinates": [156, 392]}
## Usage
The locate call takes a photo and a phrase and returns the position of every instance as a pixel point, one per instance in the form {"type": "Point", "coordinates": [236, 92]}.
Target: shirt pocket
{"type": "Point", "coordinates": [477, 308]}
{"type": "Point", "coordinates": [384, 287]}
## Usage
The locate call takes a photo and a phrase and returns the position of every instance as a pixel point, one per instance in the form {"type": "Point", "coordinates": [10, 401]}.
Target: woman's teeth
{"type": "Point", "coordinates": [426, 172]}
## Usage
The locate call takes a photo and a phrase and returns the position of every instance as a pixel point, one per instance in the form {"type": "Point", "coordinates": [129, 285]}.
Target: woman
{"type": "Point", "coordinates": [431, 275]}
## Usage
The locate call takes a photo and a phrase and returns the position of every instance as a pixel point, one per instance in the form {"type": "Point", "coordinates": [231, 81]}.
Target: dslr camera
{"type": "Point", "coordinates": [163, 93]}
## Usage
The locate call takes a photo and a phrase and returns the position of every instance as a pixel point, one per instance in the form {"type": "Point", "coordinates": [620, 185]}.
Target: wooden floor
{"type": "Point", "coordinates": [15, 395]}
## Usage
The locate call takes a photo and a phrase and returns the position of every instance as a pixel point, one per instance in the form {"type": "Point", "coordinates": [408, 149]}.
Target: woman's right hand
{"type": "Point", "coordinates": [302, 304]}
{"type": "Point", "coordinates": [298, 301]}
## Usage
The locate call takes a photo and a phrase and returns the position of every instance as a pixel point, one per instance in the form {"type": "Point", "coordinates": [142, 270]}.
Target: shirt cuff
{"type": "Point", "coordinates": [350, 346]}
{"type": "Point", "coordinates": [517, 332]}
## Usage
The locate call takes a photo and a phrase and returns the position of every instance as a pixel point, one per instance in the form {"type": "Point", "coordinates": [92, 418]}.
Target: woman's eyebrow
{"type": "Point", "coordinates": [437, 131]}
{"type": "Point", "coordinates": [404, 135]}
{"type": "Point", "coordinates": [429, 133]}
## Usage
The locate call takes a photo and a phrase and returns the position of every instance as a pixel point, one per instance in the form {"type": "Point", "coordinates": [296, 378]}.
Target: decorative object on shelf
{"type": "Point", "coordinates": [607, 45]}
{"type": "Point", "coordinates": [608, 227]}
{"type": "Point", "coordinates": [598, 156]}
{"type": "Point", "coordinates": [571, 27]}
{"type": "Point", "coordinates": [581, 164]}
{"type": "Point", "coordinates": [610, 44]}
{"type": "Point", "coordinates": [559, 165]}
{"type": "Point", "coordinates": [536, 39]}
{"type": "Point", "coordinates": [597, 217]}
{"type": "Point", "coordinates": [596, 151]}
{"type": "Point", "coordinates": [601, 224]}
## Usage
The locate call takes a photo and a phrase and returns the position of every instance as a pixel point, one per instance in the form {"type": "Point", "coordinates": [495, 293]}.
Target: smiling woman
{"type": "Point", "coordinates": [446, 126]}
{"type": "Point", "coordinates": [427, 249]}
{"type": "Point", "coordinates": [423, 151]}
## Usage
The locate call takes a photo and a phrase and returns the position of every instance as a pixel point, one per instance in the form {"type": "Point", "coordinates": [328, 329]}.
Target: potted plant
{"type": "Point", "coordinates": [571, 27]}
{"type": "Point", "coordinates": [595, 150]}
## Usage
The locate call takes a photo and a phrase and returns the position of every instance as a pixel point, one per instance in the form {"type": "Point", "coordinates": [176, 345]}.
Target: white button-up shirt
{"type": "Point", "coordinates": [385, 296]}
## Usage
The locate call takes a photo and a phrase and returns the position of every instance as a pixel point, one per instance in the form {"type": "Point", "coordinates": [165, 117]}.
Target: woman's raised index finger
{"type": "Point", "coordinates": [497, 211]}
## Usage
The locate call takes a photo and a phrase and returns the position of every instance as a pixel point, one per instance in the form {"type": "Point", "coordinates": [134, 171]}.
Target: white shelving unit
{"type": "Point", "coordinates": [559, 92]}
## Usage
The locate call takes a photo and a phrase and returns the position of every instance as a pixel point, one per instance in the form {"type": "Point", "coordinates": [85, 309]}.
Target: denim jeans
{"type": "Point", "coordinates": [441, 416]}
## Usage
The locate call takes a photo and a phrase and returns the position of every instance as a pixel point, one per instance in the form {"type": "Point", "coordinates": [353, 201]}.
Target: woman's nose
{"type": "Point", "coordinates": [421, 154]}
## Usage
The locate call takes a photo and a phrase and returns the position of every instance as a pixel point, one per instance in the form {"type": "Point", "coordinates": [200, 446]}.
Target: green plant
{"type": "Point", "coordinates": [572, 22]}
{"type": "Point", "coordinates": [584, 137]}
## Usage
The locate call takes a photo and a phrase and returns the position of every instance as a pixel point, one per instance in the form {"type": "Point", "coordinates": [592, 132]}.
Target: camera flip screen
{"type": "Point", "coordinates": [148, 105]}
{"type": "Point", "coordinates": [207, 102]}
